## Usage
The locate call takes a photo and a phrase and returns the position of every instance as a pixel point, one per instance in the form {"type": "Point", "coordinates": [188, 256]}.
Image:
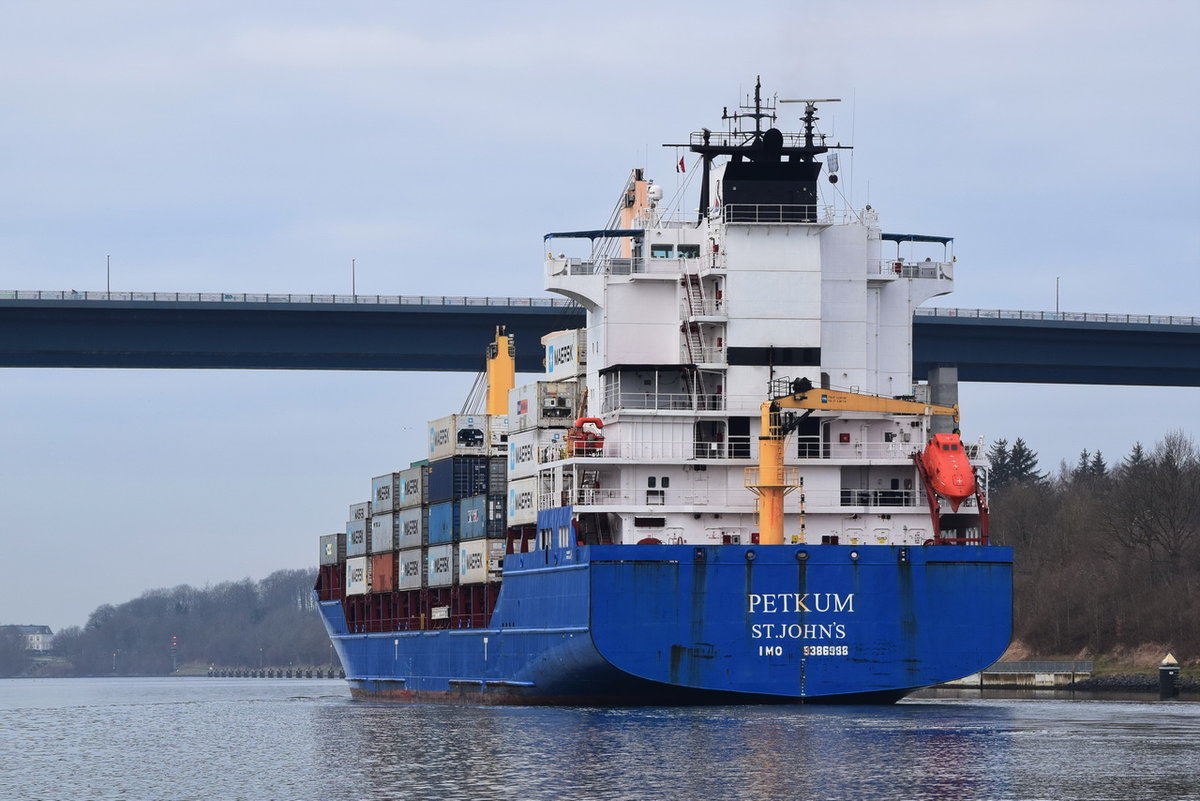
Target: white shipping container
{"type": "Point", "coordinates": [534, 447]}
{"type": "Point", "coordinates": [358, 575]}
{"type": "Point", "coordinates": [360, 511]}
{"type": "Point", "coordinates": [383, 533]}
{"type": "Point", "coordinates": [480, 561]}
{"type": "Point", "coordinates": [522, 501]}
{"type": "Point", "coordinates": [440, 566]}
{"type": "Point", "coordinates": [356, 537]}
{"type": "Point", "coordinates": [412, 487]}
{"type": "Point", "coordinates": [410, 527]}
{"type": "Point", "coordinates": [566, 353]}
{"type": "Point", "coordinates": [543, 404]}
{"type": "Point", "coordinates": [411, 566]}
{"type": "Point", "coordinates": [459, 435]}
{"type": "Point", "coordinates": [384, 490]}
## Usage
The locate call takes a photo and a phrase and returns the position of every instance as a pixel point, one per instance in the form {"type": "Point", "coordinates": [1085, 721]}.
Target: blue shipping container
{"type": "Point", "coordinates": [457, 477]}
{"type": "Point", "coordinates": [482, 516]}
{"type": "Point", "coordinates": [443, 522]}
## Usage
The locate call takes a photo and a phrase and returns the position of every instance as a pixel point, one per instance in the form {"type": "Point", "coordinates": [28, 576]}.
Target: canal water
{"type": "Point", "coordinates": [305, 739]}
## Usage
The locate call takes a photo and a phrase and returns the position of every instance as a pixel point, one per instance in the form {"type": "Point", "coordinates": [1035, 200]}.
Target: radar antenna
{"type": "Point", "coordinates": [810, 118]}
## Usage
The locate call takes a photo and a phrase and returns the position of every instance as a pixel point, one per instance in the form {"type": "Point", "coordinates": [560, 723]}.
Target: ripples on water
{"type": "Point", "coordinates": [262, 739]}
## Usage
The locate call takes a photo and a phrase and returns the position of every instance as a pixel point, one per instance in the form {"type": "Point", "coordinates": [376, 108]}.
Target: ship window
{"type": "Point", "coordinates": [945, 447]}
{"type": "Point", "coordinates": [689, 251]}
{"type": "Point", "coordinates": [953, 447]}
{"type": "Point", "coordinates": [666, 481]}
{"type": "Point", "coordinates": [661, 251]}
{"type": "Point", "coordinates": [651, 482]}
{"type": "Point", "coordinates": [650, 522]}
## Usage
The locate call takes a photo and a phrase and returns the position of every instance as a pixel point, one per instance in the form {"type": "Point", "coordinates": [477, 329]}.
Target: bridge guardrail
{"type": "Point", "coordinates": [1070, 317]}
{"type": "Point", "coordinates": [270, 297]}
{"type": "Point", "coordinates": [455, 300]}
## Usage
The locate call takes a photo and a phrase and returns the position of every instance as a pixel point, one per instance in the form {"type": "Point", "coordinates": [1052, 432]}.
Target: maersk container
{"type": "Point", "coordinates": [384, 491]}
{"type": "Point", "coordinates": [383, 572]}
{"type": "Point", "coordinates": [566, 354]}
{"type": "Point", "coordinates": [412, 490]}
{"type": "Point", "coordinates": [522, 501]}
{"type": "Point", "coordinates": [480, 560]}
{"type": "Point", "coordinates": [360, 511]}
{"type": "Point", "coordinates": [482, 516]}
{"type": "Point", "coordinates": [356, 538]}
{"type": "Point", "coordinates": [358, 575]}
{"type": "Point", "coordinates": [459, 435]}
{"type": "Point", "coordinates": [457, 477]}
{"type": "Point", "coordinates": [411, 525]}
{"type": "Point", "coordinates": [409, 569]}
{"type": "Point", "coordinates": [383, 533]}
{"type": "Point", "coordinates": [333, 548]}
{"type": "Point", "coordinates": [443, 522]}
{"type": "Point", "coordinates": [439, 569]}
{"type": "Point", "coordinates": [529, 449]}
{"type": "Point", "coordinates": [542, 404]}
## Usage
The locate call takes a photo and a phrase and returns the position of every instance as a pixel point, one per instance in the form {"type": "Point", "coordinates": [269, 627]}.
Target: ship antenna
{"type": "Point", "coordinates": [757, 112]}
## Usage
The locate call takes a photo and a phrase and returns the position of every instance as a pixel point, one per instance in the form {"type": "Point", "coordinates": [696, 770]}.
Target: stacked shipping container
{"type": "Point", "coordinates": [427, 550]}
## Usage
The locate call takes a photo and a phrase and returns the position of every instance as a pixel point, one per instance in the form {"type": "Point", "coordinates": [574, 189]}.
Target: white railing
{"type": "Point", "coordinates": [707, 307]}
{"type": "Point", "coordinates": [710, 355]}
{"type": "Point", "coordinates": [736, 497]}
{"type": "Point", "coordinates": [859, 450]}
{"type": "Point", "coordinates": [775, 213]}
{"type": "Point", "coordinates": [914, 269]}
{"type": "Point", "coordinates": [614, 401]}
{"type": "Point", "coordinates": [735, 448]}
{"type": "Point", "coordinates": [269, 297]}
{"type": "Point", "coordinates": [695, 496]}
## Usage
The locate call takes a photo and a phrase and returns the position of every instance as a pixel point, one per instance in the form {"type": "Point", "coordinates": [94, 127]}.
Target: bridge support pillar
{"type": "Point", "coordinates": [943, 391]}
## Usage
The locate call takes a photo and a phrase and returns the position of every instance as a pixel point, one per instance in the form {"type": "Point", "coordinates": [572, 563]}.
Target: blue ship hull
{"type": "Point", "coordinates": [679, 624]}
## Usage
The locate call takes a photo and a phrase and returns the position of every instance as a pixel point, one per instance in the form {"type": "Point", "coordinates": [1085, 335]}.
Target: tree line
{"type": "Point", "coordinates": [1106, 556]}
{"type": "Point", "coordinates": [271, 623]}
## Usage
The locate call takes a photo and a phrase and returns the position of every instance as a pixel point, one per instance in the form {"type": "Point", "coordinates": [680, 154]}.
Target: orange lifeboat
{"type": "Point", "coordinates": [948, 470]}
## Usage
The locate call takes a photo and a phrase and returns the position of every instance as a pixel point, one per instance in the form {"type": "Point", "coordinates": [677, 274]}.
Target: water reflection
{"type": "Point", "coordinates": [254, 739]}
{"type": "Point", "coordinates": [926, 751]}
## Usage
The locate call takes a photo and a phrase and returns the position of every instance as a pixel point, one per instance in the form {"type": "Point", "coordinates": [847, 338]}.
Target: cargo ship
{"type": "Point", "coordinates": [726, 489]}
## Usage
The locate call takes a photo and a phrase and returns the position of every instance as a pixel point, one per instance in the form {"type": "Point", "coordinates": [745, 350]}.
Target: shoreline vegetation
{"type": "Point", "coordinates": [1107, 569]}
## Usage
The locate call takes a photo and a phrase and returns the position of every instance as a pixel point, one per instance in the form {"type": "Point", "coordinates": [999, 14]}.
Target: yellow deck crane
{"type": "Point", "coordinates": [771, 481]}
{"type": "Point", "coordinates": [501, 371]}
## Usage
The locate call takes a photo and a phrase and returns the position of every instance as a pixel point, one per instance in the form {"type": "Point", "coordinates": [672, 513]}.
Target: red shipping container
{"type": "Point", "coordinates": [383, 572]}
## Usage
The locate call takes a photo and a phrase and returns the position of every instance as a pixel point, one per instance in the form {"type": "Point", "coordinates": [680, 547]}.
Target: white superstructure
{"type": "Point", "coordinates": [690, 319]}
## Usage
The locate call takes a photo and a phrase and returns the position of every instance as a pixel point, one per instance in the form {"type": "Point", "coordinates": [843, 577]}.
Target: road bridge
{"type": "Point", "coordinates": [372, 332]}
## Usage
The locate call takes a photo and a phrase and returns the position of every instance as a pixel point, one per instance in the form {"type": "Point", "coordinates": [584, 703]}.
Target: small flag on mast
{"type": "Point", "coordinates": [679, 167]}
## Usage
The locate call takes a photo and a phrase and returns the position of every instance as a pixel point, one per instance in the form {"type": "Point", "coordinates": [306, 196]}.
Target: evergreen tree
{"type": "Point", "coordinates": [1089, 469]}
{"type": "Point", "coordinates": [1136, 458]}
{"type": "Point", "coordinates": [1023, 463]}
{"type": "Point", "coordinates": [1000, 475]}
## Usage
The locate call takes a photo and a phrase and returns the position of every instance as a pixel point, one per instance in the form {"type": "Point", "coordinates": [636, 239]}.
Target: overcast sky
{"type": "Point", "coordinates": [259, 147]}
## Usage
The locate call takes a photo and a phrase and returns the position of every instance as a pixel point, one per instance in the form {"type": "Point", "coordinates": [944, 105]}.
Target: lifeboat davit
{"type": "Point", "coordinates": [586, 437]}
{"type": "Point", "coordinates": [948, 470]}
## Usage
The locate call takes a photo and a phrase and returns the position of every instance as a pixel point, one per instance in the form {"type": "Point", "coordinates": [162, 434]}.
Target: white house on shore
{"type": "Point", "coordinates": [37, 638]}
